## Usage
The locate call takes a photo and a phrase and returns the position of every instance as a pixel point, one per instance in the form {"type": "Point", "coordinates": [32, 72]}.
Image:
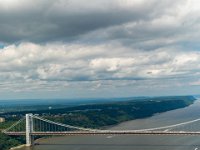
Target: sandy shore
{"type": "Point", "coordinates": [17, 147]}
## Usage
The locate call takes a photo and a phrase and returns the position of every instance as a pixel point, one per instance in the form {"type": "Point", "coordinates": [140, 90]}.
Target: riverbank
{"type": "Point", "coordinates": [108, 114]}
{"type": "Point", "coordinates": [18, 147]}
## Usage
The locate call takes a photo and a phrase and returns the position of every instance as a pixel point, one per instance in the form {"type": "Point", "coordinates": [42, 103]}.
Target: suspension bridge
{"type": "Point", "coordinates": [32, 125]}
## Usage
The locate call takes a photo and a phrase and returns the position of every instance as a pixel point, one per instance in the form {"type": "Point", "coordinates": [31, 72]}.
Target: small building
{"type": "Point", "coordinates": [2, 119]}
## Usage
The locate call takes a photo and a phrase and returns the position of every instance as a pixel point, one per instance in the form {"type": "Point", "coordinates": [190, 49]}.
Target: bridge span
{"type": "Point", "coordinates": [33, 125]}
{"type": "Point", "coordinates": [105, 133]}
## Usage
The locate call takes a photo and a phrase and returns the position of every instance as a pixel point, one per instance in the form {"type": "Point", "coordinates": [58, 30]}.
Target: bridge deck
{"type": "Point", "coordinates": [107, 133]}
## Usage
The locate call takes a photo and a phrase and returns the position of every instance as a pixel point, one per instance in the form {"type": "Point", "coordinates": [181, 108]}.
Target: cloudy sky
{"type": "Point", "coordinates": [99, 48]}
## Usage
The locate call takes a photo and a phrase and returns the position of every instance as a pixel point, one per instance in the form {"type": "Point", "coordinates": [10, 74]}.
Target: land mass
{"type": "Point", "coordinates": [100, 115]}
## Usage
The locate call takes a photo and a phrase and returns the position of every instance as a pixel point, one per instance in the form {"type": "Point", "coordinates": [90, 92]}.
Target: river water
{"type": "Point", "coordinates": [133, 142]}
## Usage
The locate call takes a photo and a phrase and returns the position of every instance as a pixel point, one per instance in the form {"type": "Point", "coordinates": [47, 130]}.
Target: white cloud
{"type": "Point", "coordinates": [111, 64]}
{"type": "Point", "coordinates": [29, 66]}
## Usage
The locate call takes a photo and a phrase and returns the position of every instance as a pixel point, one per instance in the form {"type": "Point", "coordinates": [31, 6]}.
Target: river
{"type": "Point", "coordinates": [130, 142]}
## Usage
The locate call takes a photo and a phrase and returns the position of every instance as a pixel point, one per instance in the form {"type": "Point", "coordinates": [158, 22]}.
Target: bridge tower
{"type": "Point", "coordinates": [29, 129]}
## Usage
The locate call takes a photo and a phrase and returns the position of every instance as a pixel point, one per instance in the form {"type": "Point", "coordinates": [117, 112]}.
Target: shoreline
{"type": "Point", "coordinates": [17, 147]}
{"type": "Point", "coordinates": [124, 122]}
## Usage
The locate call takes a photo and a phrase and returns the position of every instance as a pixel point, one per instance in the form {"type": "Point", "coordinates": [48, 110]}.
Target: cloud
{"type": "Point", "coordinates": [101, 45]}
{"type": "Point", "coordinates": [30, 66]}
{"type": "Point", "coordinates": [44, 21]}
{"type": "Point", "coordinates": [129, 21]}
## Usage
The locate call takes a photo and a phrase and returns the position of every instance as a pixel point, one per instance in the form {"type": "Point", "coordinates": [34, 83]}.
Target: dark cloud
{"type": "Point", "coordinates": [45, 21]}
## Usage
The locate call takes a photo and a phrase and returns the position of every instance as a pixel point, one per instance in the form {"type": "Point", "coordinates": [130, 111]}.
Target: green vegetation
{"type": "Point", "coordinates": [99, 115]}
{"type": "Point", "coordinates": [7, 142]}
{"type": "Point", "coordinates": [6, 124]}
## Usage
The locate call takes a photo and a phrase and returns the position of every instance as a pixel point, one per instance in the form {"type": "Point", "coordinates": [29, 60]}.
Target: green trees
{"type": "Point", "coordinates": [7, 142]}
{"type": "Point", "coordinates": [99, 115]}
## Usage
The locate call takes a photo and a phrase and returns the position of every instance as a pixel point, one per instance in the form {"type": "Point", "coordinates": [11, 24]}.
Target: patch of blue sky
{"type": "Point", "coordinates": [1, 46]}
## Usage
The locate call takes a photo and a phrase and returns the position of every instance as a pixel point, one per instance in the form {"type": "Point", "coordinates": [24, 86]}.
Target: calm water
{"type": "Point", "coordinates": [130, 142]}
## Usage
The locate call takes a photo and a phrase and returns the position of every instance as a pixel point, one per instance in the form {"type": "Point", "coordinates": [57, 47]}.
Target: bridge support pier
{"type": "Point", "coordinates": [29, 130]}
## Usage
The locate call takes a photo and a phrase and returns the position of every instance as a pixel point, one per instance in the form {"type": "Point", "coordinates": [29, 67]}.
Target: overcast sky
{"type": "Point", "coordinates": [99, 48]}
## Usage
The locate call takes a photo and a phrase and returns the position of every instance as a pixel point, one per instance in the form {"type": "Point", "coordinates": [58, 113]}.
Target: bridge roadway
{"type": "Point", "coordinates": [68, 133]}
